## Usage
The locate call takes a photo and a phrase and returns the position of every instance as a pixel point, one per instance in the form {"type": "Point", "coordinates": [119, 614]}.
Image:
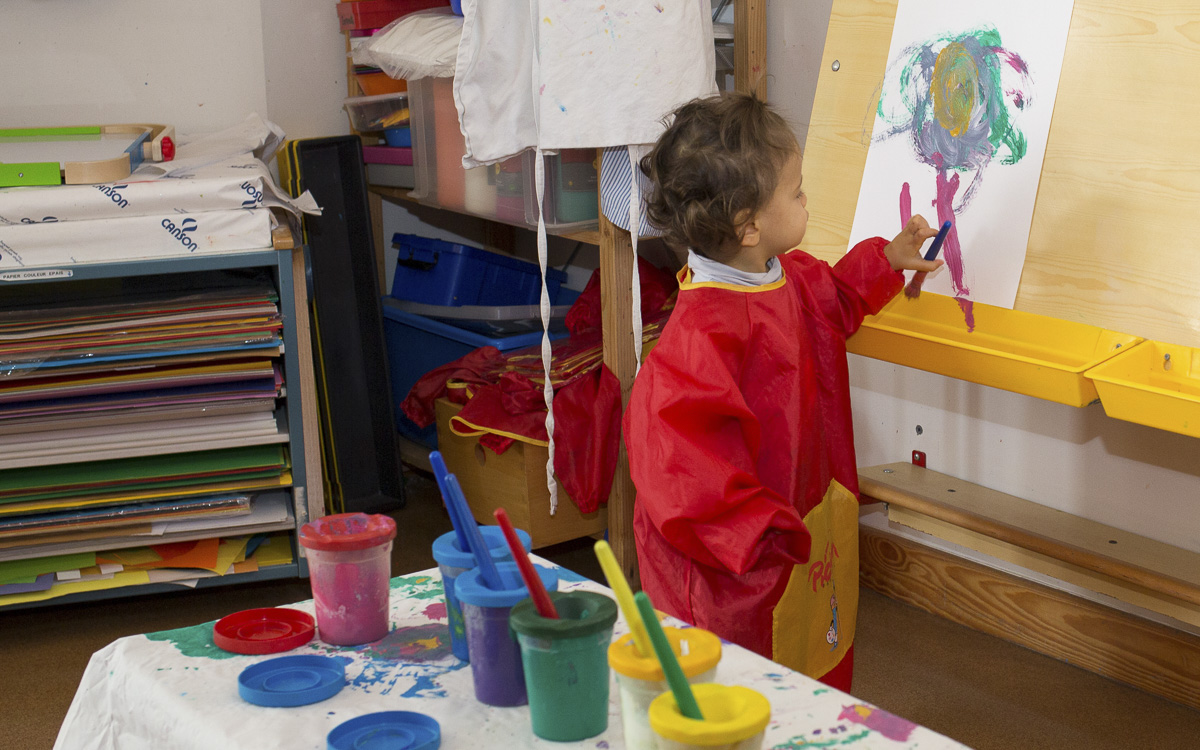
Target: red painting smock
{"type": "Point", "coordinates": [742, 450]}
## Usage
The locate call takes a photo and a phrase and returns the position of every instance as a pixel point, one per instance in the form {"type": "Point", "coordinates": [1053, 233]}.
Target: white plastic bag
{"type": "Point", "coordinates": [419, 45]}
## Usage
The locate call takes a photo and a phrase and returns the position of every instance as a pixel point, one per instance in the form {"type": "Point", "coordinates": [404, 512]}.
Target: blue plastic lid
{"type": "Point", "coordinates": [447, 552]}
{"type": "Point", "coordinates": [292, 680]}
{"type": "Point", "coordinates": [387, 730]}
{"type": "Point", "coordinates": [470, 588]}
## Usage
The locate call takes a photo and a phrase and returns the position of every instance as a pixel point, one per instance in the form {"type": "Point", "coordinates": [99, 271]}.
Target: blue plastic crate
{"type": "Point", "coordinates": [436, 272]}
{"type": "Point", "coordinates": [416, 345]}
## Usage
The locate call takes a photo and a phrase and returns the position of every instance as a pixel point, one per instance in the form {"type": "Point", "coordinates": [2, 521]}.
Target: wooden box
{"type": "Point", "coordinates": [515, 481]}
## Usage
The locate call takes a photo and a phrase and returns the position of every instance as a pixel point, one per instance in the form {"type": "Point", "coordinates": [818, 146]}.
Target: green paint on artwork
{"type": "Point", "coordinates": [800, 743]}
{"type": "Point", "coordinates": [196, 641]}
{"type": "Point", "coordinates": [419, 587]}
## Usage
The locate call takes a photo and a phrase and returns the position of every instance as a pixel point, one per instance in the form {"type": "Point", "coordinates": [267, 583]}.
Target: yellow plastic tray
{"type": "Point", "coordinates": [1017, 351]}
{"type": "Point", "coordinates": [1142, 385]}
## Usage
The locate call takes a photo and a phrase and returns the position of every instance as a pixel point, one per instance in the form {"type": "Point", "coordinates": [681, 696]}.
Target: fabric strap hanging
{"type": "Point", "coordinates": [551, 75]}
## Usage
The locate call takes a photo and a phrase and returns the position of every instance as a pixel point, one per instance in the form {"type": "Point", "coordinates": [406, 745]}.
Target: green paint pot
{"type": "Point", "coordinates": [566, 663]}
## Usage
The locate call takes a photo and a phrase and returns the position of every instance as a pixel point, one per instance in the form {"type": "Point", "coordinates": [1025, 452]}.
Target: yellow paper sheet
{"type": "Point", "coordinates": [228, 552]}
{"type": "Point", "coordinates": [125, 578]}
{"type": "Point", "coordinates": [276, 550]}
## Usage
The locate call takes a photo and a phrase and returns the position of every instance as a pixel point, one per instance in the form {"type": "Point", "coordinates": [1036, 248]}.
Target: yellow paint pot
{"type": "Point", "coordinates": [735, 718]}
{"type": "Point", "coordinates": [640, 678]}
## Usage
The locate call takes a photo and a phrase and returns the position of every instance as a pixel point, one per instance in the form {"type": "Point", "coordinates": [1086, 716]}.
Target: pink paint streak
{"type": "Point", "coordinates": [889, 725]}
{"type": "Point", "coordinates": [968, 310]}
{"type": "Point", "coordinates": [913, 290]}
{"type": "Point", "coordinates": [951, 249]}
{"type": "Point", "coordinates": [1012, 58]}
{"type": "Point", "coordinates": [436, 611]}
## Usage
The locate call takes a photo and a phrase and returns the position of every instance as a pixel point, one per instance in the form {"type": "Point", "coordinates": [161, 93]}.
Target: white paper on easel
{"type": "Point", "coordinates": [135, 238]}
{"type": "Point", "coordinates": [960, 133]}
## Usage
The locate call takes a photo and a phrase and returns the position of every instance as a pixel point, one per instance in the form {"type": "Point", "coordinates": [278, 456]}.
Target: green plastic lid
{"type": "Point", "coordinates": [580, 613]}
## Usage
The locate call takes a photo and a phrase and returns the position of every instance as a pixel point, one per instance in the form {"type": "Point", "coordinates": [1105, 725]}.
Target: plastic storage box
{"type": "Point", "coordinates": [374, 113]}
{"type": "Point", "coordinates": [442, 273]}
{"type": "Point", "coordinates": [416, 345]}
{"type": "Point", "coordinates": [503, 191]}
{"type": "Point", "coordinates": [499, 320]}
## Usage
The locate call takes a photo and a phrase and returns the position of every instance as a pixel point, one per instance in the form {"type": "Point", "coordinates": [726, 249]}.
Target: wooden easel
{"type": "Point", "coordinates": [1116, 216]}
{"type": "Point", "coordinates": [1117, 207]}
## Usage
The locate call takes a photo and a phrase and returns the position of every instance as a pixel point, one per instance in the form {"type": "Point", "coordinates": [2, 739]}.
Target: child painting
{"type": "Point", "coordinates": [739, 428]}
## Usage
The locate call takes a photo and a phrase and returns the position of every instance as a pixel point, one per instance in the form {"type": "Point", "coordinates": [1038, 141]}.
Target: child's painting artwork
{"type": "Point", "coordinates": [960, 131]}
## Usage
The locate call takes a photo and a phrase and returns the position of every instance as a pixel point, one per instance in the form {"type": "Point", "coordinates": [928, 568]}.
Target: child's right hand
{"type": "Point", "coordinates": [904, 252]}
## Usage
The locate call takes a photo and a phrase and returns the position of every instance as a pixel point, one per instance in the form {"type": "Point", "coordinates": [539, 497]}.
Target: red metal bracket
{"type": "Point", "coordinates": [918, 458]}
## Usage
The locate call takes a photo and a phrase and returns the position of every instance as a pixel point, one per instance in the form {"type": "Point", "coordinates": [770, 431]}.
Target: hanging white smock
{"type": "Point", "coordinates": [558, 74]}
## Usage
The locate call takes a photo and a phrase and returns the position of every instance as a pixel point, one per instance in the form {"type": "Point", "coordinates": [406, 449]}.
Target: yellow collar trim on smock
{"type": "Point", "coordinates": [685, 283]}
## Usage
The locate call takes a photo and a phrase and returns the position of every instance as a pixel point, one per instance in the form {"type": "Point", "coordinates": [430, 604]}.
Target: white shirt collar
{"type": "Point", "coordinates": [708, 270]}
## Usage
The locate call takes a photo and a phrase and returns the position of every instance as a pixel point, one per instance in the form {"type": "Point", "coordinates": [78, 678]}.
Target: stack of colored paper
{"type": "Point", "coordinates": [150, 374]}
{"type": "Point", "coordinates": [135, 418]}
{"type": "Point", "coordinates": [182, 563]}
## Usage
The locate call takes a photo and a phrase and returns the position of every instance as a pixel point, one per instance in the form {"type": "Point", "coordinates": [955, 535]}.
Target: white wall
{"type": "Point", "coordinates": [199, 66]}
{"type": "Point", "coordinates": [1077, 460]}
{"type": "Point", "coordinates": [304, 56]}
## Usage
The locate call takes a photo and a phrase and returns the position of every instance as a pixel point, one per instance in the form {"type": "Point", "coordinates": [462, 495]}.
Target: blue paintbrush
{"type": "Point", "coordinates": [913, 290]}
{"type": "Point", "coordinates": [936, 247]}
{"type": "Point", "coordinates": [479, 548]}
{"type": "Point", "coordinates": [440, 472]}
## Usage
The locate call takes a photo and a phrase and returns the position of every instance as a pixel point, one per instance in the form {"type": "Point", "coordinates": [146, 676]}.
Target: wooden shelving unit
{"type": "Point", "coordinates": [616, 269]}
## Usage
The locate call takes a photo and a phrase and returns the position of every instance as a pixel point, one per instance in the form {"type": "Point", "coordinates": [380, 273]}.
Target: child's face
{"type": "Point", "coordinates": [781, 223]}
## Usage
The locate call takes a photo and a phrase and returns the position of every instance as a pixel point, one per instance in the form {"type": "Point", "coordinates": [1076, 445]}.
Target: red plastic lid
{"type": "Point", "coordinates": [348, 531]}
{"type": "Point", "coordinates": [168, 148]}
{"type": "Point", "coordinates": [263, 631]}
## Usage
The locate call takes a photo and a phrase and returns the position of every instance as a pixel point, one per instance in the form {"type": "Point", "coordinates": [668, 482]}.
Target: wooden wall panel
{"type": "Point", "coordinates": [1137, 652]}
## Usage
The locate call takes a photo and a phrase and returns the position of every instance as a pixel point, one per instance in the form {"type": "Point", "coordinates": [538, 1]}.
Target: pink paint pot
{"type": "Point", "coordinates": [350, 568]}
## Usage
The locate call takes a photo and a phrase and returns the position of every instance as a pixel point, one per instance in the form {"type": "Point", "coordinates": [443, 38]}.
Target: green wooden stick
{"type": "Point", "coordinates": [670, 665]}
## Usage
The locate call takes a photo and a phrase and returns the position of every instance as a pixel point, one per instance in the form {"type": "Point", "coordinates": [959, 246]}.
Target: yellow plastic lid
{"type": "Point", "coordinates": [732, 713]}
{"type": "Point", "coordinates": [697, 651]}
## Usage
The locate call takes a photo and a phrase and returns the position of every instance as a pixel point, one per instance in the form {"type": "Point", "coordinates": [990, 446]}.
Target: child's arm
{"type": "Point", "coordinates": [693, 452]}
{"type": "Point", "coordinates": [866, 278]}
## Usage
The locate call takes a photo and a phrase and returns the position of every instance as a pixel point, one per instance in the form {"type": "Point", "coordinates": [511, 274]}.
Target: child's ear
{"type": "Point", "coordinates": [750, 233]}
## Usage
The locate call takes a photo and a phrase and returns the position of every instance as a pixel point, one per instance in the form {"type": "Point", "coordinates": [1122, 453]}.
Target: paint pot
{"type": "Point", "coordinates": [453, 562]}
{"type": "Point", "coordinates": [566, 664]}
{"type": "Point", "coordinates": [640, 677]}
{"type": "Point", "coordinates": [496, 663]}
{"type": "Point", "coordinates": [735, 718]}
{"type": "Point", "coordinates": [350, 568]}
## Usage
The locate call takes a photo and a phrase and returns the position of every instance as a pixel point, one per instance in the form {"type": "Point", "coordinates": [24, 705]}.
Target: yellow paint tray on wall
{"type": "Point", "coordinates": [1153, 384]}
{"type": "Point", "coordinates": [1016, 351]}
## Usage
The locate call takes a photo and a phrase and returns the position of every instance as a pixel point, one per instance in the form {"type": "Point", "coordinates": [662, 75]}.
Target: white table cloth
{"type": "Point", "coordinates": [176, 689]}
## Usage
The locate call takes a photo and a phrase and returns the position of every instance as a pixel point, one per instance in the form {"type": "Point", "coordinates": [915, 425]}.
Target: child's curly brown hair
{"type": "Point", "coordinates": [716, 165]}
